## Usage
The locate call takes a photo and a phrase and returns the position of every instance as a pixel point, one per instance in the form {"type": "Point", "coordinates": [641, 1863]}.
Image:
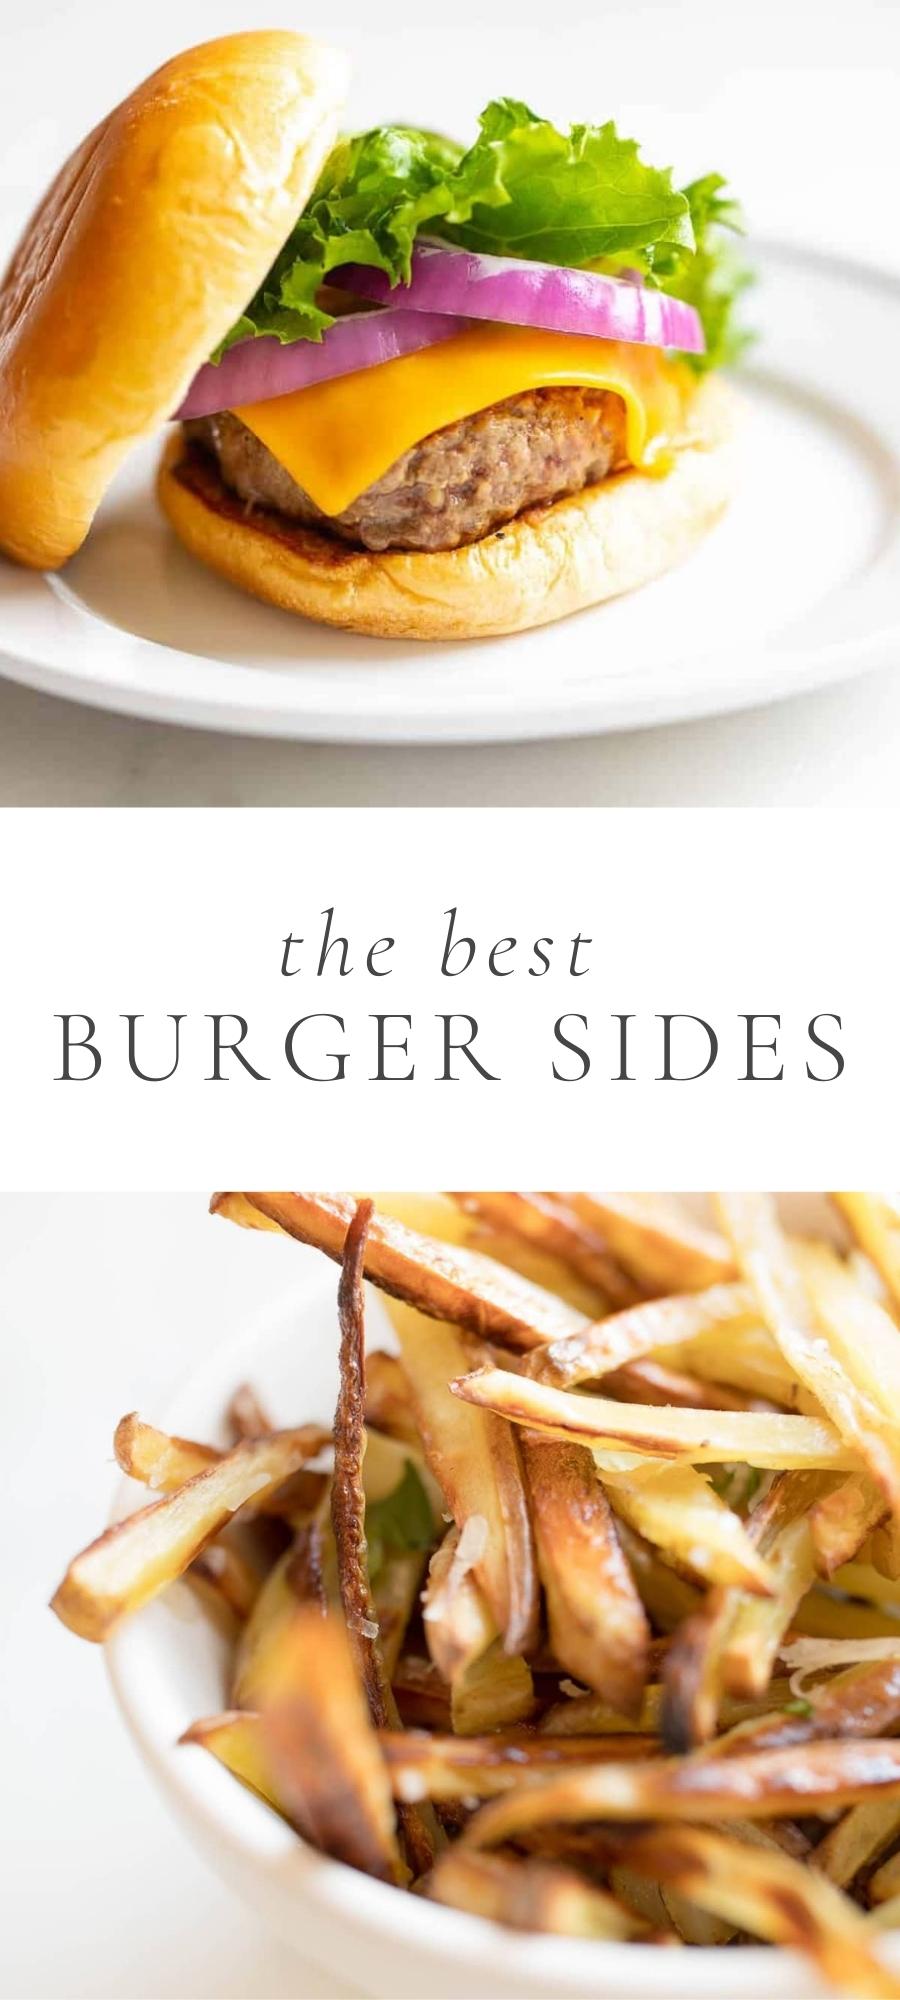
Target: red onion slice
{"type": "Point", "coordinates": [447, 280]}
{"type": "Point", "coordinates": [255, 370]}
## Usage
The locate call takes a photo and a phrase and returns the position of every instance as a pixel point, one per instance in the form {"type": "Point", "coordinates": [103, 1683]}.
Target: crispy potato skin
{"type": "Point", "coordinates": [598, 1626]}
{"type": "Point", "coordinates": [322, 1751]}
{"type": "Point", "coordinates": [445, 1281]}
{"type": "Point", "coordinates": [477, 1465]}
{"type": "Point", "coordinates": [138, 1557]}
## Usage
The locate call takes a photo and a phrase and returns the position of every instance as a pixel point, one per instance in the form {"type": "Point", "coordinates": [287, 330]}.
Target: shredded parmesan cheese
{"type": "Point", "coordinates": [812, 1656]}
{"type": "Point", "coordinates": [472, 1544]}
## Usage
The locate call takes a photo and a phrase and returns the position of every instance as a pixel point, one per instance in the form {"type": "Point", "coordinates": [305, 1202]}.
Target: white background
{"type": "Point", "coordinates": [798, 101]}
{"type": "Point", "coordinates": [714, 915]}
{"type": "Point", "coordinates": [104, 1304]}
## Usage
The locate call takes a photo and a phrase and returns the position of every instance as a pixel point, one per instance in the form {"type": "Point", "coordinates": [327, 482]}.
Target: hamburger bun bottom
{"type": "Point", "coordinates": [548, 562]}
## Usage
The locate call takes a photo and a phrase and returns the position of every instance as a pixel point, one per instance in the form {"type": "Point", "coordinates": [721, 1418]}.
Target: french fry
{"type": "Point", "coordinates": [388, 1400]}
{"type": "Point", "coordinates": [875, 1222]}
{"type": "Point", "coordinates": [598, 1626]}
{"type": "Point", "coordinates": [667, 1597]}
{"type": "Point", "coordinates": [246, 1417]}
{"type": "Point", "coordinates": [859, 1838]}
{"type": "Point", "coordinates": [428, 1214]}
{"type": "Point", "coordinates": [693, 1679]}
{"type": "Point", "coordinates": [816, 1778]}
{"type": "Point", "coordinates": [823, 1614]}
{"type": "Point", "coordinates": [489, 1689]}
{"type": "Point", "coordinates": [860, 1579]}
{"type": "Point", "coordinates": [458, 1767]}
{"type": "Point", "coordinates": [475, 1460]}
{"type": "Point", "coordinates": [222, 1575]}
{"type": "Point", "coordinates": [530, 1896]}
{"type": "Point", "coordinates": [442, 1216]}
{"type": "Point", "coordinates": [234, 1738]}
{"type": "Point", "coordinates": [495, 1691]}
{"type": "Point", "coordinates": [585, 1715]}
{"type": "Point", "coordinates": [654, 1382]}
{"type": "Point", "coordinates": [865, 1340]}
{"type": "Point", "coordinates": [422, 1696]}
{"type": "Point", "coordinates": [549, 1226]}
{"type": "Point", "coordinates": [884, 1885]}
{"type": "Point", "coordinates": [752, 1362]}
{"type": "Point", "coordinates": [782, 1833]}
{"type": "Point", "coordinates": [769, 1895]}
{"type": "Point", "coordinates": [759, 1625]}
{"type": "Point", "coordinates": [652, 1327]}
{"type": "Point", "coordinates": [702, 1437]}
{"type": "Point", "coordinates": [385, 1465]}
{"type": "Point", "coordinates": [348, 1499]}
{"type": "Point", "coordinates": [883, 1547]}
{"type": "Point", "coordinates": [418, 1829]}
{"type": "Point", "coordinates": [829, 1331]}
{"type": "Point", "coordinates": [675, 1508]}
{"type": "Point", "coordinates": [156, 1459]}
{"type": "Point", "coordinates": [863, 1701]}
{"type": "Point", "coordinates": [663, 1249]}
{"type": "Point", "coordinates": [645, 1899]}
{"type": "Point", "coordinates": [698, 1924]}
{"type": "Point", "coordinates": [444, 1282]}
{"type": "Point", "coordinates": [139, 1556]}
{"type": "Point", "coordinates": [459, 1625]}
{"type": "Point", "coordinates": [395, 1594]}
{"type": "Point", "coordinates": [842, 1520]}
{"type": "Point", "coordinates": [296, 1578]}
{"type": "Point", "coordinates": [693, 1924]}
{"type": "Point", "coordinates": [321, 1750]}
{"type": "Point", "coordinates": [165, 1463]}
{"type": "Point", "coordinates": [884, 1916]}
{"type": "Point", "coordinates": [730, 1645]}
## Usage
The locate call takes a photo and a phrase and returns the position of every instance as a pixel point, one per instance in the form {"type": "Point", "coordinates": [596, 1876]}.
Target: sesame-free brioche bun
{"type": "Point", "coordinates": [549, 561]}
{"type": "Point", "coordinates": [145, 250]}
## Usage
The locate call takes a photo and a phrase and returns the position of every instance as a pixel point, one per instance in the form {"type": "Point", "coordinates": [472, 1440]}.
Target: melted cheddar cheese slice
{"type": "Point", "coordinates": [337, 438]}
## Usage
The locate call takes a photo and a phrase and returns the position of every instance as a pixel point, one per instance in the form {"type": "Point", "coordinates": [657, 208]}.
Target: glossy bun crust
{"type": "Point", "coordinates": [548, 562]}
{"type": "Point", "coordinates": [143, 253]}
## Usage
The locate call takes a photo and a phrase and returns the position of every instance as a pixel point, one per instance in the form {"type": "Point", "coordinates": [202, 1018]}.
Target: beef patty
{"type": "Point", "coordinates": [453, 487]}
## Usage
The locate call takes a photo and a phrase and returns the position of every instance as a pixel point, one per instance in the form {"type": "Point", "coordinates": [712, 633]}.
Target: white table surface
{"type": "Point", "coordinates": [798, 99]}
{"type": "Point", "coordinates": [104, 1303]}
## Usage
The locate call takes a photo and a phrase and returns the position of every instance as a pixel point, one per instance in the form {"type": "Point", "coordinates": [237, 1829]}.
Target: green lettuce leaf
{"type": "Point", "coordinates": [402, 1521]}
{"type": "Point", "coordinates": [716, 277]}
{"type": "Point", "coordinates": [524, 189]}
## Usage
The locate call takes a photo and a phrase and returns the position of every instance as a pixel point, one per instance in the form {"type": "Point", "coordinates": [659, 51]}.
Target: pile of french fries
{"type": "Point", "coordinates": [585, 1616]}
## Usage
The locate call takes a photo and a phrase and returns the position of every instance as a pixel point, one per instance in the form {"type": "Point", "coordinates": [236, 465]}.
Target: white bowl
{"type": "Point", "coordinates": [169, 1667]}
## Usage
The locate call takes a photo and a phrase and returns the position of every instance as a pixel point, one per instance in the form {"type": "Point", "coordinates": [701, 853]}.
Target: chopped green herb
{"type": "Point", "coordinates": [403, 1520]}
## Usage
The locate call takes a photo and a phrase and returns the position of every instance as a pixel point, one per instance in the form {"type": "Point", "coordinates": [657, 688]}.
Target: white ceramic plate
{"type": "Point", "coordinates": [800, 584]}
{"type": "Point", "coordinates": [169, 1667]}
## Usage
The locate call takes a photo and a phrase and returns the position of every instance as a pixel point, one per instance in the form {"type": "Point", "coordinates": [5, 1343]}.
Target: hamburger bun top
{"type": "Point", "coordinates": [143, 253]}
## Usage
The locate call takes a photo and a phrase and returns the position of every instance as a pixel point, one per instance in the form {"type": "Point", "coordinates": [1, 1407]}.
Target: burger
{"type": "Point", "coordinates": [412, 388]}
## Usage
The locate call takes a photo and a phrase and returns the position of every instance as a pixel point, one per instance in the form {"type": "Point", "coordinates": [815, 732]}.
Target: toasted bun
{"type": "Point", "coordinates": [146, 249]}
{"type": "Point", "coordinates": [548, 562]}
